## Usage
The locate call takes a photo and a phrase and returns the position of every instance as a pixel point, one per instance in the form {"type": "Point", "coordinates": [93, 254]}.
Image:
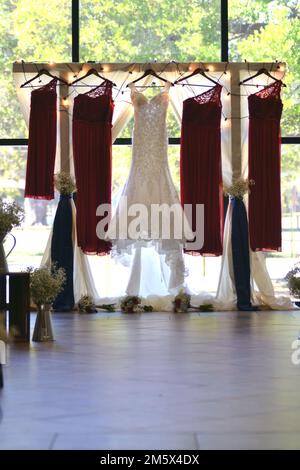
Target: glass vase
{"type": "Point", "coordinates": [43, 330]}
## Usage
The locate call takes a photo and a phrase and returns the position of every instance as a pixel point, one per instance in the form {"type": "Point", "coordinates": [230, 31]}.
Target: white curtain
{"type": "Point", "coordinates": [113, 278]}
{"type": "Point", "coordinates": [261, 284]}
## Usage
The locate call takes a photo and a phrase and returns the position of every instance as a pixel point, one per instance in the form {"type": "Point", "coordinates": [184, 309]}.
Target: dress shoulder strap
{"type": "Point", "coordinates": [271, 90]}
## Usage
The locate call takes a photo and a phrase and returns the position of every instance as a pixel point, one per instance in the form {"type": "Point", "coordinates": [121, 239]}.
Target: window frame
{"type": "Point", "coordinates": [76, 53]}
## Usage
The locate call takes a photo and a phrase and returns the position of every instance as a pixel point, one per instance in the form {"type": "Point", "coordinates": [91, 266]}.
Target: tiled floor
{"type": "Point", "coordinates": [156, 381]}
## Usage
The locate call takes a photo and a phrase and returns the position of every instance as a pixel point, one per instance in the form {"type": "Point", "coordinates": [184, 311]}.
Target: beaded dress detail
{"type": "Point", "coordinates": [150, 182]}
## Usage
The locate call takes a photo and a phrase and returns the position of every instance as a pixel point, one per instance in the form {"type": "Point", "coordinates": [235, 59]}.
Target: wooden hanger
{"type": "Point", "coordinates": [150, 72]}
{"type": "Point", "coordinates": [92, 71]}
{"type": "Point", "coordinates": [262, 71]}
{"type": "Point", "coordinates": [44, 72]}
{"type": "Point", "coordinates": [197, 71]}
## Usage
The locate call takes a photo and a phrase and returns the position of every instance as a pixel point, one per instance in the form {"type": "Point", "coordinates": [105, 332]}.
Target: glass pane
{"type": "Point", "coordinates": [261, 30]}
{"type": "Point", "coordinates": [32, 236]}
{"type": "Point", "coordinates": [280, 263]}
{"type": "Point", "coordinates": [32, 31]}
{"type": "Point", "coordinates": [142, 31]}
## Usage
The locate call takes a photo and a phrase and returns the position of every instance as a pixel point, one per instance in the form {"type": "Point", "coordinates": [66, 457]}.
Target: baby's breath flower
{"type": "Point", "coordinates": [239, 188]}
{"type": "Point", "coordinates": [46, 284]}
{"type": "Point", "coordinates": [64, 183]}
{"type": "Point", "coordinates": [11, 215]}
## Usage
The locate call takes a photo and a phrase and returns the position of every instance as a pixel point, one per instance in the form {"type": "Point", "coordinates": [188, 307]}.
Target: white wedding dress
{"type": "Point", "coordinates": [149, 183]}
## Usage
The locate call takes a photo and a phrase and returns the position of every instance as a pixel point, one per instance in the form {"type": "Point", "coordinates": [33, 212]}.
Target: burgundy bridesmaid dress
{"type": "Point", "coordinates": [200, 165]}
{"type": "Point", "coordinates": [42, 143]}
{"type": "Point", "coordinates": [265, 109]}
{"type": "Point", "coordinates": [92, 149]}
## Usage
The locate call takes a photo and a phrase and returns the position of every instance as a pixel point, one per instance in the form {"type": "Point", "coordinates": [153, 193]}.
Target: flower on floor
{"type": "Point", "coordinates": [206, 308]}
{"type": "Point", "coordinates": [107, 307]}
{"type": "Point", "coordinates": [182, 302]}
{"type": "Point", "coordinates": [293, 280]}
{"type": "Point", "coordinates": [133, 304]}
{"type": "Point", "coordinates": [86, 304]}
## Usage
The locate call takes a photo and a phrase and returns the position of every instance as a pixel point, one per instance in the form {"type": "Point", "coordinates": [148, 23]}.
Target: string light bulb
{"type": "Point", "coordinates": [210, 68]}
{"type": "Point", "coordinates": [65, 101]}
{"type": "Point", "coordinates": [190, 68]}
{"type": "Point", "coordinates": [226, 122]}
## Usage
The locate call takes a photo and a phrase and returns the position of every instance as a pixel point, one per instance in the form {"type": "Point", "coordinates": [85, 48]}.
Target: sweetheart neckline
{"type": "Point", "coordinates": [153, 97]}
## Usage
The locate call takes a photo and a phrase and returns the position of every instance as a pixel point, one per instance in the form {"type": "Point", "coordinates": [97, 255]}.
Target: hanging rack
{"type": "Point", "coordinates": [43, 72]}
{"type": "Point", "coordinates": [92, 71]}
{"type": "Point", "coordinates": [150, 72]}
{"type": "Point", "coordinates": [262, 71]}
{"type": "Point", "coordinates": [197, 71]}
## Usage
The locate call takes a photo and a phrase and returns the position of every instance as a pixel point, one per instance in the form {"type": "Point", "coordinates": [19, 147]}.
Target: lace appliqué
{"type": "Point", "coordinates": [272, 90]}
{"type": "Point", "coordinates": [150, 182]}
{"type": "Point", "coordinates": [103, 89]}
{"type": "Point", "coordinates": [51, 86]}
{"type": "Point", "coordinates": [145, 167]}
{"type": "Point", "coordinates": [211, 96]}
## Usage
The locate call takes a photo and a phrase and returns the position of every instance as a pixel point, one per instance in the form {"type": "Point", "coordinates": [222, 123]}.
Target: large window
{"type": "Point", "coordinates": [148, 30]}
{"type": "Point", "coordinates": [33, 31]}
{"type": "Point", "coordinates": [144, 31]}
{"type": "Point", "coordinates": [261, 30]}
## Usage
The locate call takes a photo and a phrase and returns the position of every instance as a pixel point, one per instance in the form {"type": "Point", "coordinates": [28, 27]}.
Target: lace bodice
{"type": "Point", "coordinates": [50, 86]}
{"type": "Point", "coordinates": [95, 105]}
{"type": "Point", "coordinates": [149, 183]}
{"type": "Point", "coordinates": [150, 139]}
{"type": "Point", "coordinates": [204, 109]}
{"type": "Point", "coordinates": [266, 103]}
{"type": "Point", "coordinates": [45, 94]}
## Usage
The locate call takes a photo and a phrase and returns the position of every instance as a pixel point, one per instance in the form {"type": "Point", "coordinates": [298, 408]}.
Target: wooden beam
{"type": "Point", "coordinates": [31, 67]}
{"type": "Point", "coordinates": [64, 124]}
{"type": "Point", "coordinates": [236, 151]}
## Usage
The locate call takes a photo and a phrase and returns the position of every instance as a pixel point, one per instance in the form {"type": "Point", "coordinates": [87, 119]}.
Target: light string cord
{"type": "Point", "coordinates": [181, 73]}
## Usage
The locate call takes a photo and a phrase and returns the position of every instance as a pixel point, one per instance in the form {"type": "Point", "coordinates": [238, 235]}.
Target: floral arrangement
{"type": "Point", "coordinates": [182, 303]}
{"type": "Point", "coordinates": [133, 304]}
{"type": "Point", "coordinates": [293, 280]}
{"type": "Point", "coordinates": [11, 215]}
{"type": "Point", "coordinates": [64, 183]}
{"type": "Point", "coordinates": [46, 284]}
{"type": "Point", "coordinates": [86, 304]}
{"type": "Point", "coordinates": [239, 188]}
